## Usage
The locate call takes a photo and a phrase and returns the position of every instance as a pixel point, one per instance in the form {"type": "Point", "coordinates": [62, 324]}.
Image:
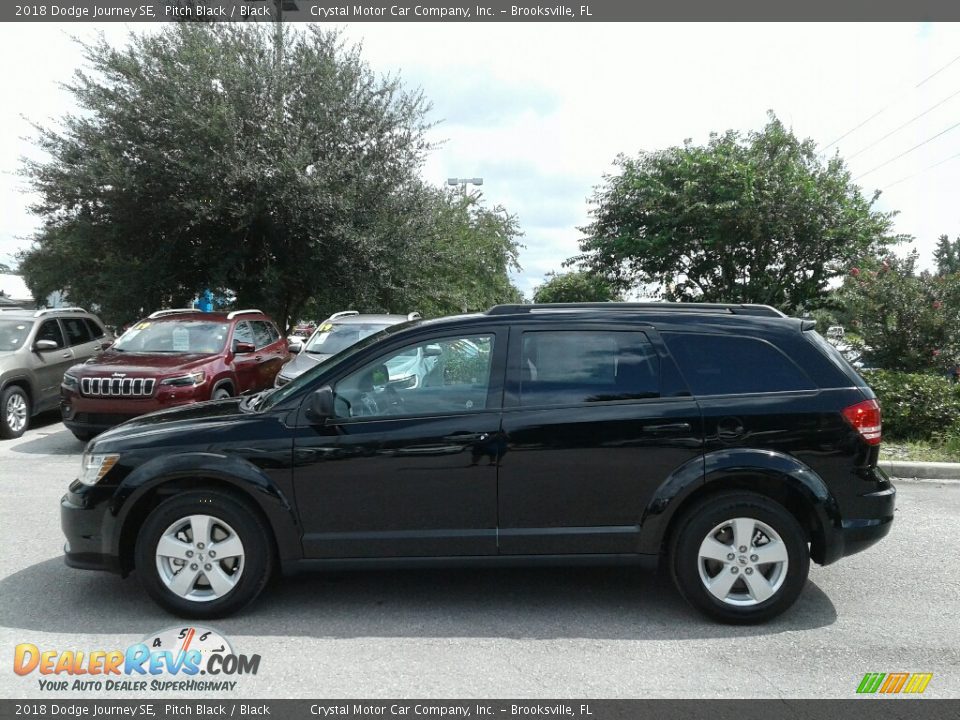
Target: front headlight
{"type": "Point", "coordinates": [191, 380]}
{"type": "Point", "coordinates": [70, 382]}
{"type": "Point", "coordinates": [94, 467]}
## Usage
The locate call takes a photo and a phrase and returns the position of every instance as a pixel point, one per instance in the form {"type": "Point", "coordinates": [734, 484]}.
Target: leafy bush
{"type": "Point", "coordinates": [915, 405]}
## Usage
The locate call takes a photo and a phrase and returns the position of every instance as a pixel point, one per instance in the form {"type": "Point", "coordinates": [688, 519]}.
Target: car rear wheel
{"type": "Point", "coordinates": [204, 554]}
{"type": "Point", "coordinates": [740, 558]}
{"type": "Point", "coordinates": [15, 412]}
{"type": "Point", "coordinates": [221, 393]}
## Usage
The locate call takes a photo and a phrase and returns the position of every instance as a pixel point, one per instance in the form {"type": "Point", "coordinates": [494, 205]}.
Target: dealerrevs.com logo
{"type": "Point", "coordinates": [173, 660]}
{"type": "Point", "coordinates": [894, 683]}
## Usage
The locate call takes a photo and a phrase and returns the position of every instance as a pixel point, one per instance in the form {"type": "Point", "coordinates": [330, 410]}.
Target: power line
{"type": "Point", "coordinates": [891, 104]}
{"type": "Point", "coordinates": [921, 172]}
{"type": "Point", "coordinates": [907, 152]}
{"type": "Point", "coordinates": [901, 127]}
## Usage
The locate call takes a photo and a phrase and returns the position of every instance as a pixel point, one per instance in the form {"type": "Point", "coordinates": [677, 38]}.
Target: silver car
{"type": "Point", "coordinates": [338, 332]}
{"type": "Point", "coordinates": [36, 348]}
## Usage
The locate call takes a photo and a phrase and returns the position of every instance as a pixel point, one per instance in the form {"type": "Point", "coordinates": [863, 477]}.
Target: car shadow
{"type": "Point", "coordinates": [50, 441]}
{"type": "Point", "coordinates": [542, 603]}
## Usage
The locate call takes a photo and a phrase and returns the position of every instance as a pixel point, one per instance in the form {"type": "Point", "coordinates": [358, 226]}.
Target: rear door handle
{"type": "Point", "coordinates": [668, 427]}
{"type": "Point", "coordinates": [67, 355]}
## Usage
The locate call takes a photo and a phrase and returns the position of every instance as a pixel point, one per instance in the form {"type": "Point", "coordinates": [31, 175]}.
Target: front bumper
{"type": "Point", "coordinates": [86, 544]}
{"type": "Point", "coordinates": [96, 414]}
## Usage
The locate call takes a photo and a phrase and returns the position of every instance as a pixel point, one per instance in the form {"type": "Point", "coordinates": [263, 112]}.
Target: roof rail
{"type": "Point", "coordinates": [171, 311]}
{"type": "Point", "coordinates": [668, 307]}
{"type": "Point", "coordinates": [11, 308]}
{"type": "Point", "coordinates": [47, 311]}
{"type": "Point", "coordinates": [231, 315]}
{"type": "Point", "coordinates": [342, 313]}
{"type": "Point", "coordinates": [413, 316]}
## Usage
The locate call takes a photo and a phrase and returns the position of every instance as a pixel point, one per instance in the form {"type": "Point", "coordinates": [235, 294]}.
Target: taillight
{"type": "Point", "coordinates": [865, 418]}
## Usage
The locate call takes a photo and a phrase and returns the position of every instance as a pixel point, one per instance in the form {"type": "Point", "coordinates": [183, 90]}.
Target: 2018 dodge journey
{"type": "Point", "coordinates": [729, 442]}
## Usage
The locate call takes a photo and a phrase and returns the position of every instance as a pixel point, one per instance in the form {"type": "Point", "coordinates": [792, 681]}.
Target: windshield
{"type": "Point", "coordinates": [174, 336]}
{"type": "Point", "coordinates": [307, 378]}
{"type": "Point", "coordinates": [331, 338]}
{"type": "Point", "coordinates": [13, 333]}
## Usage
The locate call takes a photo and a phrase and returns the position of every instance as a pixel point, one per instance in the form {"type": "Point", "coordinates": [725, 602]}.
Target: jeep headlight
{"type": "Point", "coordinates": [70, 382]}
{"type": "Point", "coordinates": [94, 467]}
{"type": "Point", "coordinates": [189, 380]}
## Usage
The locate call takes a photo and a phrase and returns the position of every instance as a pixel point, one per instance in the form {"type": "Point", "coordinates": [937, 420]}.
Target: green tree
{"type": "Point", "coordinates": [947, 255]}
{"type": "Point", "coordinates": [907, 320]}
{"type": "Point", "coordinates": [266, 163]}
{"type": "Point", "coordinates": [576, 286]}
{"type": "Point", "coordinates": [756, 218]}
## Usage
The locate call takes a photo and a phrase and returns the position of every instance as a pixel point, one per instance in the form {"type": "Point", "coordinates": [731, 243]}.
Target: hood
{"type": "Point", "coordinates": [112, 361]}
{"type": "Point", "coordinates": [186, 418]}
{"type": "Point", "coordinates": [301, 362]}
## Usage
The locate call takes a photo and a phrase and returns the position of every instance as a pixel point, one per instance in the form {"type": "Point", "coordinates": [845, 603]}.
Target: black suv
{"type": "Point", "coordinates": [728, 441]}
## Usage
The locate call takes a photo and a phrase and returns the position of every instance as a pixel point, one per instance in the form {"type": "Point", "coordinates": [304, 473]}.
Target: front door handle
{"type": "Point", "coordinates": [67, 356]}
{"type": "Point", "coordinates": [467, 437]}
{"type": "Point", "coordinates": [668, 427]}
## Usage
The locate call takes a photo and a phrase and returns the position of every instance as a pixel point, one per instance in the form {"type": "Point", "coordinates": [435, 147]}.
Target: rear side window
{"type": "Point", "coordinates": [95, 330]}
{"type": "Point", "coordinates": [77, 331]}
{"type": "Point", "coordinates": [570, 367]}
{"type": "Point", "coordinates": [261, 333]}
{"type": "Point", "coordinates": [727, 365]}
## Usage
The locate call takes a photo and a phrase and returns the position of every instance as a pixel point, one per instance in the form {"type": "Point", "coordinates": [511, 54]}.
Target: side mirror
{"type": "Point", "coordinates": [242, 348]}
{"type": "Point", "coordinates": [44, 345]}
{"type": "Point", "coordinates": [294, 347]}
{"type": "Point", "coordinates": [432, 351]}
{"type": "Point", "coordinates": [105, 345]}
{"type": "Point", "coordinates": [320, 405]}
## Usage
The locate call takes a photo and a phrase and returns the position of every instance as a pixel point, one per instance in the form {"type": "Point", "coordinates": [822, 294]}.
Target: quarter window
{"type": "Point", "coordinates": [569, 367]}
{"type": "Point", "coordinates": [730, 365]}
{"type": "Point", "coordinates": [444, 376]}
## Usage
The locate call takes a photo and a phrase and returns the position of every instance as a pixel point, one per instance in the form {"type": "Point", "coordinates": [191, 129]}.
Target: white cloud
{"type": "Point", "coordinates": [541, 110]}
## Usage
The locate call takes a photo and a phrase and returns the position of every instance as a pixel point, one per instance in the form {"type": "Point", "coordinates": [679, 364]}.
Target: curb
{"type": "Point", "coordinates": [949, 472]}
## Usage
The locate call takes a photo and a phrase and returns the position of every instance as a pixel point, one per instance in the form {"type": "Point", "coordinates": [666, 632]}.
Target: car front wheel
{"type": "Point", "coordinates": [740, 558]}
{"type": "Point", "coordinates": [204, 554]}
{"type": "Point", "coordinates": [15, 406]}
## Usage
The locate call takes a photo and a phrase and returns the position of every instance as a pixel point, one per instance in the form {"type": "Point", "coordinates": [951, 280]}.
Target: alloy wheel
{"type": "Point", "coordinates": [743, 562]}
{"type": "Point", "coordinates": [200, 558]}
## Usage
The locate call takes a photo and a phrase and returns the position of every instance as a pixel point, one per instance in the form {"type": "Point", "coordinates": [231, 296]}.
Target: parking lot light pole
{"type": "Point", "coordinates": [463, 182]}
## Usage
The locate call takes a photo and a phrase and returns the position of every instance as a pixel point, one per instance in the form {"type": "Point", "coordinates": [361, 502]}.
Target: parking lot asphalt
{"type": "Point", "coordinates": [498, 633]}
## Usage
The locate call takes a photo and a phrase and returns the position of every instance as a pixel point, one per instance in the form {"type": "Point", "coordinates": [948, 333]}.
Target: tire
{"type": "Point", "coordinates": [758, 591]}
{"type": "Point", "coordinates": [14, 412]}
{"type": "Point", "coordinates": [221, 392]}
{"type": "Point", "coordinates": [179, 524]}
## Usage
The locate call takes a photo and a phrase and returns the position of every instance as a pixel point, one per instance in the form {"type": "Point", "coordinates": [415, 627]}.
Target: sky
{"type": "Point", "coordinates": [540, 111]}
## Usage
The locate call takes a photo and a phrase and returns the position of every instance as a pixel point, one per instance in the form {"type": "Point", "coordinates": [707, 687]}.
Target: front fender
{"type": "Point", "coordinates": [748, 468]}
{"type": "Point", "coordinates": [248, 479]}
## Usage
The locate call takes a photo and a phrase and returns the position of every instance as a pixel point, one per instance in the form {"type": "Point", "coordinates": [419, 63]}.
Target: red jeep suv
{"type": "Point", "coordinates": [173, 357]}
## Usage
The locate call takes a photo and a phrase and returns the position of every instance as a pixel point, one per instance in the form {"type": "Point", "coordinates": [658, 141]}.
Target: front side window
{"type": "Point", "coordinates": [174, 336]}
{"type": "Point", "coordinates": [445, 376]}
{"type": "Point", "coordinates": [571, 367]}
{"type": "Point", "coordinates": [50, 330]}
{"type": "Point", "coordinates": [731, 365]}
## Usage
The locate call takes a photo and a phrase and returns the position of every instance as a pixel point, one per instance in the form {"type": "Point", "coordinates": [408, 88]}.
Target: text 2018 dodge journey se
{"type": "Point", "coordinates": [728, 441]}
